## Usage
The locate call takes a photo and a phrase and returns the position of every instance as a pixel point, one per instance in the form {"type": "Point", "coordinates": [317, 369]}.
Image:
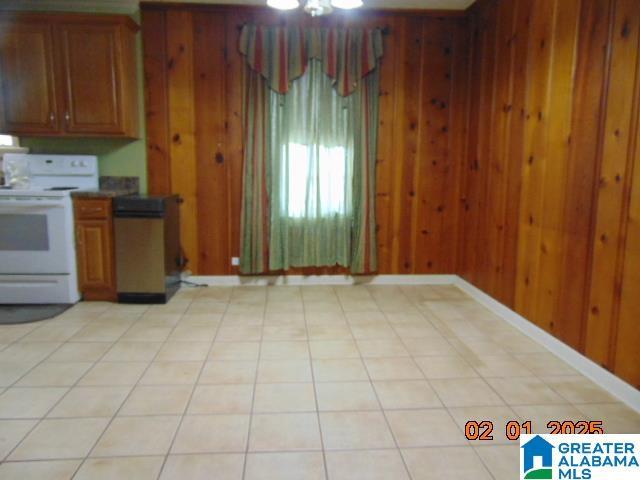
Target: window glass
{"type": "Point", "coordinates": [8, 141]}
{"type": "Point", "coordinates": [329, 186]}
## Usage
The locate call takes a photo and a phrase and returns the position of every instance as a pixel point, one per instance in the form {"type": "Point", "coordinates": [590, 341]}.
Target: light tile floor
{"type": "Point", "coordinates": [360, 382]}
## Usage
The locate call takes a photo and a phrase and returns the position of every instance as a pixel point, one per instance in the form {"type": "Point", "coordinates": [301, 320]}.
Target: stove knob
{"type": "Point", "coordinates": [75, 163]}
{"type": "Point", "coordinates": [83, 164]}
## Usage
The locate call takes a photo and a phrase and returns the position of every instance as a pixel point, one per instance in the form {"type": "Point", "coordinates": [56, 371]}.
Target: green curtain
{"type": "Point", "coordinates": [254, 250]}
{"type": "Point", "coordinates": [311, 138]}
{"type": "Point", "coordinates": [310, 149]}
{"type": "Point", "coordinates": [364, 258]}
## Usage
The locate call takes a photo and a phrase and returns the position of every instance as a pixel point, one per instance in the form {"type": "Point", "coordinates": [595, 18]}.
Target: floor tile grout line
{"type": "Point", "coordinates": [55, 404]}
{"type": "Point", "coordinates": [384, 415]}
{"type": "Point", "coordinates": [43, 360]}
{"type": "Point", "coordinates": [193, 389]}
{"type": "Point", "coordinates": [448, 409]}
{"type": "Point", "coordinates": [447, 338]}
{"type": "Point", "coordinates": [265, 452]}
{"type": "Point", "coordinates": [402, 455]}
{"type": "Point", "coordinates": [485, 377]}
{"type": "Point", "coordinates": [444, 405]}
{"type": "Point", "coordinates": [67, 341]}
{"type": "Point", "coordinates": [440, 407]}
{"type": "Point", "coordinates": [133, 387]}
{"type": "Point", "coordinates": [315, 390]}
{"type": "Point", "coordinates": [19, 339]}
{"type": "Point", "coordinates": [255, 382]}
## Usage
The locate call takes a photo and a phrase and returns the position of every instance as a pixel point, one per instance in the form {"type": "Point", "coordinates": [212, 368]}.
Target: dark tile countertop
{"type": "Point", "coordinates": [100, 193]}
{"type": "Point", "coordinates": [112, 187]}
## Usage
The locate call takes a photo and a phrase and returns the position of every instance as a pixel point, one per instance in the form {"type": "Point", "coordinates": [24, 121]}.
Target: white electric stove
{"type": "Point", "coordinates": [37, 241]}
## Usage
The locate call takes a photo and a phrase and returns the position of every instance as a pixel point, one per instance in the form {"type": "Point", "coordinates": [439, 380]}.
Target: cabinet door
{"type": "Point", "coordinates": [95, 258]}
{"type": "Point", "coordinates": [92, 56]}
{"type": "Point", "coordinates": [27, 74]}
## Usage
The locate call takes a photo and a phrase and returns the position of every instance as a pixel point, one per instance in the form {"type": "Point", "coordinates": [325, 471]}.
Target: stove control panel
{"type": "Point", "coordinates": [47, 171]}
{"type": "Point", "coordinates": [62, 165]}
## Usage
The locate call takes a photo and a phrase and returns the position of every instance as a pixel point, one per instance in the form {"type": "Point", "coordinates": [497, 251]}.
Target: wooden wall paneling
{"type": "Point", "coordinates": [614, 181]}
{"type": "Point", "coordinates": [485, 124]}
{"type": "Point", "coordinates": [520, 46]}
{"type": "Point", "coordinates": [459, 130]}
{"type": "Point", "coordinates": [469, 176]}
{"type": "Point", "coordinates": [184, 173]}
{"type": "Point", "coordinates": [156, 101]}
{"type": "Point", "coordinates": [434, 178]}
{"type": "Point", "coordinates": [407, 126]}
{"type": "Point", "coordinates": [234, 156]}
{"type": "Point", "coordinates": [626, 360]}
{"type": "Point", "coordinates": [580, 188]}
{"type": "Point", "coordinates": [492, 178]}
{"type": "Point", "coordinates": [567, 197]}
{"type": "Point", "coordinates": [536, 152]}
{"type": "Point", "coordinates": [386, 151]}
{"type": "Point", "coordinates": [555, 202]}
{"type": "Point", "coordinates": [211, 142]}
{"type": "Point", "coordinates": [496, 161]}
{"type": "Point", "coordinates": [211, 236]}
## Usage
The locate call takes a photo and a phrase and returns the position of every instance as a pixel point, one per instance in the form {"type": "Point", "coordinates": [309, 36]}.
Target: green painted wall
{"type": "Point", "coordinates": [115, 157]}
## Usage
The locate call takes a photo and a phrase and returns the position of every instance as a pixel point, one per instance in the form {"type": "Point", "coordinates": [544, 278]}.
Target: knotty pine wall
{"type": "Point", "coordinates": [550, 223]}
{"type": "Point", "coordinates": [193, 75]}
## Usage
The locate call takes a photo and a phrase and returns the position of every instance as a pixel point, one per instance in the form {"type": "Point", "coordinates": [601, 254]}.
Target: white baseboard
{"type": "Point", "coordinates": [603, 378]}
{"type": "Point", "coordinates": [297, 280]}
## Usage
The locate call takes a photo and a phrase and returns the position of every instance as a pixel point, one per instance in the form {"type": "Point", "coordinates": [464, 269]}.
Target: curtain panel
{"type": "Point", "coordinates": [282, 54]}
{"type": "Point", "coordinates": [345, 61]}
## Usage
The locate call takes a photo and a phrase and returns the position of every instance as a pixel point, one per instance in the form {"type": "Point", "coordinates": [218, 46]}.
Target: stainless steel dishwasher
{"type": "Point", "coordinates": [148, 253]}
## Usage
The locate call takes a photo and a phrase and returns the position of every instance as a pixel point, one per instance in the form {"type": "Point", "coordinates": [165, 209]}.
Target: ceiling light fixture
{"type": "Point", "coordinates": [283, 4]}
{"type": "Point", "coordinates": [315, 8]}
{"type": "Point", "coordinates": [346, 4]}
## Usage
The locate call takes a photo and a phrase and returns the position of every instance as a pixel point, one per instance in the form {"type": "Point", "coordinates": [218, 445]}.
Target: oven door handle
{"type": "Point", "coordinates": [19, 205]}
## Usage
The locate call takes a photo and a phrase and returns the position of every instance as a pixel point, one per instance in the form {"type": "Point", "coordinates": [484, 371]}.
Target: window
{"type": "Point", "coordinates": [307, 177]}
{"type": "Point", "coordinates": [9, 144]}
{"type": "Point", "coordinates": [9, 141]}
{"type": "Point", "coordinates": [311, 123]}
{"type": "Point", "coordinates": [312, 138]}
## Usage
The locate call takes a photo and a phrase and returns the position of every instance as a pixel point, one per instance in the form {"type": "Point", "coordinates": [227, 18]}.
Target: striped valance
{"type": "Point", "coordinates": [281, 54]}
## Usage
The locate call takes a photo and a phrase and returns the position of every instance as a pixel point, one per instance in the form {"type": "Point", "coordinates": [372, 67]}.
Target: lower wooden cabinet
{"type": "Point", "coordinates": [95, 248]}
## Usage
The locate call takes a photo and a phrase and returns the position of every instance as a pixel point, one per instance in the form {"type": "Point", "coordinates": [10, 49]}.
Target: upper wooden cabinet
{"type": "Point", "coordinates": [68, 75]}
{"type": "Point", "coordinates": [28, 78]}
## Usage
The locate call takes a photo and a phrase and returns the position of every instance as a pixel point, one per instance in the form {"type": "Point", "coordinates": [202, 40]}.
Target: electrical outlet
{"type": "Point", "coordinates": [235, 262]}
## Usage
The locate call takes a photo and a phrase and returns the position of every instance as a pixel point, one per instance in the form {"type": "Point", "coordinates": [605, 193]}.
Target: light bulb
{"type": "Point", "coordinates": [315, 8]}
{"type": "Point", "coordinates": [346, 4]}
{"type": "Point", "coordinates": [283, 4]}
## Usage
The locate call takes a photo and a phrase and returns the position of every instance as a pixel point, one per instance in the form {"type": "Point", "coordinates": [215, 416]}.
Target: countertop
{"type": "Point", "coordinates": [111, 187]}
{"type": "Point", "coordinates": [102, 193]}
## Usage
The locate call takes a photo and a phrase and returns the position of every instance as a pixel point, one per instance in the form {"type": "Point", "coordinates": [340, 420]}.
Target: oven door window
{"type": "Point", "coordinates": [36, 237]}
{"type": "Point", "coordinates": [24, 233]}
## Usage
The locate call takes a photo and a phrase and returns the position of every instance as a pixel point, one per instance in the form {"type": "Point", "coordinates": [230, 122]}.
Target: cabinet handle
{"type": "Point", "coordinates": [67, 117]}
{"type": "Point", "coordinates": [52, 117]}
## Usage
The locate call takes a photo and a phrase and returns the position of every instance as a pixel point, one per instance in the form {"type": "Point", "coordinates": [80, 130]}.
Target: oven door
{"type": "Point", "coordinates": [35, 236]}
